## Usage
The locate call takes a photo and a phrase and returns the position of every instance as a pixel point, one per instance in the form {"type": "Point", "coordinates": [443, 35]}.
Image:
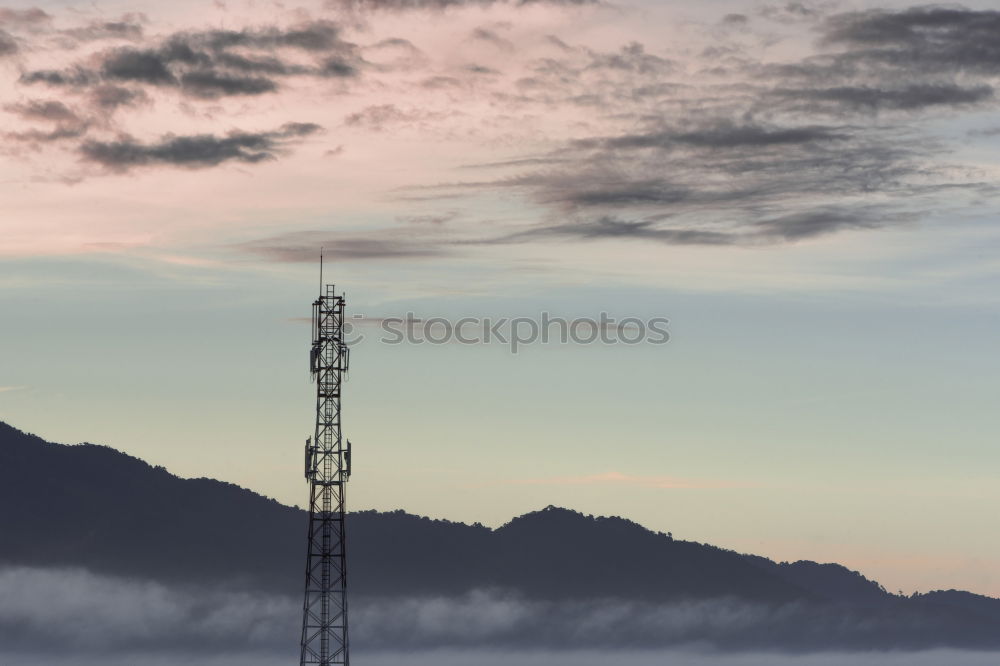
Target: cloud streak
{"type": "Point", "coordinates": [303, 246]}
{"type": "Point", "coordinates": [936, 39]}
{"type": "Point", "coordinates": [215, 63]}
{"type": "Point", "coordinates": [197, 151]}
{"type": "Point", "coordinates": [837, 100]}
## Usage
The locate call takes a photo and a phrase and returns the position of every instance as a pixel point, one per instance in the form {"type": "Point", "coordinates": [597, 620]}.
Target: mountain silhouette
{"type": "Point", "coordinates": [93, 507]}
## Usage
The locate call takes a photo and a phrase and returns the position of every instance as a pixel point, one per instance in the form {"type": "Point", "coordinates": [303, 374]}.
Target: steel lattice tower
{"type": "Point", "coordinates": [328, 466]}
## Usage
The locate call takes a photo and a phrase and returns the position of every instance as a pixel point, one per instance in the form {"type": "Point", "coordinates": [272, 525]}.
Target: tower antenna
{"type": "Point", "coordinates": [327, 468]}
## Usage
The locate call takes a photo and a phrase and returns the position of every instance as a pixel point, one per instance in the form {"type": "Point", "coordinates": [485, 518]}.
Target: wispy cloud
{"type": "Point", "coordinates": [213, 63]}
{"type": "Point", "coordinates": [303, 246]}
{"type": "Point", "coordinates": [23, 18]}
{"type": "Point", "coordinates": [715, 141]}
{"type": "Point", "coordinates": [195, 151]}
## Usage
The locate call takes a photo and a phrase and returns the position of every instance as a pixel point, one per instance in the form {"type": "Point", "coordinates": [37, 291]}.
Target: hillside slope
{"type": "Point", "coordinates": [93, 507]}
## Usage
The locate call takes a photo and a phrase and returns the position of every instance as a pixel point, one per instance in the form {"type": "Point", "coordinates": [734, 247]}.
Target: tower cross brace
{"type": "Point", "coordinates": [327, 468]}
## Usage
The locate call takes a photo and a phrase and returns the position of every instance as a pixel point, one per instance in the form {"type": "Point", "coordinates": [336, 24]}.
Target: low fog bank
{"type": "Point", "coordinates": [681, 658]}
{"type": "Point", "coordinates": [116, 620]}
{"type": "Point", "coordinates": [75, 610]}
{"type": "Point", "coordinates": [509, 658]}
{"type": "Point", "coordinates": [493, 619]}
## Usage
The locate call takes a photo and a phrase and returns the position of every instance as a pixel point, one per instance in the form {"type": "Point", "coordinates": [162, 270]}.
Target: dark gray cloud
{"type": "Point", "coordinates": [128, 28]}
{"type": "Point", "coordinates": [812, 223]}
{"type": "Point", "coordinates": [109, 97]}
{"type": "Point", "coordinates": [920, 41]}
{"type": "Point", "coordinates": [606, 190]}
{"type": "Point", "coordinates": [198, 151]}
{"type": "Point", "coordinates": [262, 64]}
{"type": "Point", "coordinates": [141, 66]}
{"type": "Point", "coordinates": [68, 124]}
{"type": "Point", "coordinates": [929, 57]}
{"type": "Point", "coordinates": [747, 229]}
{"type": "Point", "coordinates": [916, 26]}
{"type": "Point", "coordinates": [836, 100]}
{"type": "Point", "coordinates": [337, 67]}
{"type": "Point", "coordinates": [60, 133]}
{"type": "Point", "coordinates": [727, 182]}
{"type": "Point", "coordinates": [211, 85]}
{"type": "Point", "coordinates": [612, 228]}
{"type": "Point", "coordinates": [53, 110]}
{"type": "Point", "coordinates": [75, 76]}
{"type": "Point", "coordinates": [722, 162]}
{"type": "Point", "coordinates": [722, 135]}
{"type": "Point", "coordinates": [735, 228]}
{"type": "Point", "coordinates": [303, 246]}
{"type": "Point", "coordinates": [728, 135]}
{"type": "Point", "coordinates": [8, 45]}
{"type": "Point", "coordinates": [791, 152]}
{"type": "Point", "coordinates": [200, 65]}
{"type": "Point", "coordinates": [314, 36]}
{"type": "Point", "coordinates": [216, 63]}
{"type": "Point", "coordinates": [749, 163]}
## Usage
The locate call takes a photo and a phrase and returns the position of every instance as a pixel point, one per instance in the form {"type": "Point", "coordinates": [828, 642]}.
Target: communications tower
{"type": "Point", "coordinates": [327, 468]}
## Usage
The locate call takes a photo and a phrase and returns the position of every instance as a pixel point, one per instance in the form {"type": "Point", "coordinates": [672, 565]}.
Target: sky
{"type": "Point", "coordinates": [805, 190]}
